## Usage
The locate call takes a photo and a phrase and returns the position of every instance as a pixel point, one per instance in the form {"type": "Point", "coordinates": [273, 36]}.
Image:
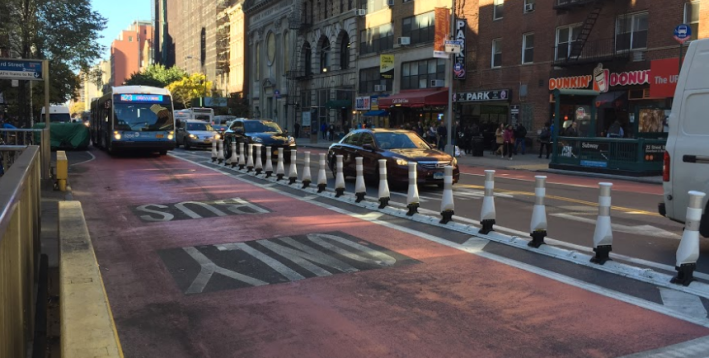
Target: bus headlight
{"type": "Point", "coordinates": [117, 135]}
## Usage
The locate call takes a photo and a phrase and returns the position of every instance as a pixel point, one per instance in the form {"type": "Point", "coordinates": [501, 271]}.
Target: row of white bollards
{"type": "Point", "coordinates": [687, 252]}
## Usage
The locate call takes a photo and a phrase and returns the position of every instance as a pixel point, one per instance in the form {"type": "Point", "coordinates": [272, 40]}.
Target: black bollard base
{"type": "Point", "coordinates": [241, 166]}
{"type": "Point", "coordinates": [360, 197]}
{"type": "Point", "coordinates": [292, 180]}
{"type": "Point", "coordinates": [306, 183]}
{"type": "Point", "coordinates": [258, 171]}
{"type": "Point", "coordinates": [279, 177]}
{"type": "Point", "coordinates": [602, 253]}
{"type": "Point", "coordinates": [321, 187]}
{"type": "Point", "coordinates": [537, 238]}
{"type": "Point", "coordinates": [233, 165]}
{"type": "Point", "coordinates": [383, 202]}
{"type": "Point", "coordinates": [268, 173]}
{"type": "Point", "coordinates": [339, 192]}
{"type": "Point", "coordinates": [685, 274]}
{"type": "Point", "coordinates": [413, 209]}
{"type": "Point", "coordinates": [446, 216]}
{"type": "Point", "coordinates": [214, 159]}
{"type": "Point", "coordinates": [487, 226]}
{"type": "Point", "coordinates": [249, 169]}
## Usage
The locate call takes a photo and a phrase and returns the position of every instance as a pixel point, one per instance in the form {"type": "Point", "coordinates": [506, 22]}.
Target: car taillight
{"type": "Point", "coordinates": [666, 167]}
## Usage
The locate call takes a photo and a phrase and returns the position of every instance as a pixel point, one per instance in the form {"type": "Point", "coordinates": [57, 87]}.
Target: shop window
{"type": "Point", "coordinates": [369, 77]}
{"type": "Point", "coordinates": [419, 28]}
{"type": "Point", "coordinates": [631, 32]}
{"type": "Point", "coordinates": [419, 74]}
{"type": "Point", "coordinates": [497, 8]}
{"type": "Point", "coordinates": [496, 53]}
{"type": "Point", "coordinates": [691, 18]}
{"type": "Point", "coordinates": [565, 38]}
{"type": "Point", "coordinates": [528, 48]}
{"type": "Point", "coordinates": [376, 39]}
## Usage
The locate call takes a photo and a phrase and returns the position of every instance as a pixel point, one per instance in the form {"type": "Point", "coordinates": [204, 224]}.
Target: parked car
{"type": "Point", "coordinates": [398, 147]}
{"type": "Point", "coordinates": [195, 133]}
{"type": "Point", "coordinates": [265, 132]}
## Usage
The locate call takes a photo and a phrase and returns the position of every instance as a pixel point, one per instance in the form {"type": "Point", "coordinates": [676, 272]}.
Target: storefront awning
{"type": "Point", "coordinates": [576, 92]}
{"type": "Point", "coordinates": [377, 113]}
{"type": "Point", "coordinates": [416, 98]}
{"type": "Point", "coordinates": [338, 104]}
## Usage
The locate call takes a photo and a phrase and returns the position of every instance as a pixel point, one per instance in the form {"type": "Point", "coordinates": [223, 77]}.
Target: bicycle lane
{"type": "Point", "coordinates": [279, 276]}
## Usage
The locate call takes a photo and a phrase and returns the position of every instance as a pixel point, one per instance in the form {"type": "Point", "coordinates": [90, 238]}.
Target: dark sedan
{"type": "Point", "coordinates": [265, 132]}
{"type": "Point", "coordinates": [398, 147]}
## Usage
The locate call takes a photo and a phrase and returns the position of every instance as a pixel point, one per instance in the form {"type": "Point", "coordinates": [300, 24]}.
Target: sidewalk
{"type": "Point", "coordinates": [529, 162]}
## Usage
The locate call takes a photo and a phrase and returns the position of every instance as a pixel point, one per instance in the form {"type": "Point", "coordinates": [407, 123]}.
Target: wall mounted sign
{"type": "Point", "coordinates": [483, 96]}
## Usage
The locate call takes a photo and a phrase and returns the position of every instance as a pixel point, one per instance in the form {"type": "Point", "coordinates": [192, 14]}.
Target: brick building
{"type": "Point", "coordinates": [128, 51]}
{"type": "Point", "coordinates": [523, 50]}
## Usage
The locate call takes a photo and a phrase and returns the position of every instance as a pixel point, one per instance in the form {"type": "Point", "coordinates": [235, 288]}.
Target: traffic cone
{"type": "Point", "coordinates": [339, 178]}
{"type": "Point", "coordinates": [447, 204]}
{"type": "Point", "coordinates": [360, 188]}
{"type": "Point", "coordinates": [269, 162]}
{"type": "Point", "coordinates": [538, 226]}
{"type": "Point", "coordinates": [603, 234]}
{"type": "Point", "coordinates": [306, 179]}
{"type": "Point", "coordinates": [280, 172]}
{"type": "Point", "coordinates": [412, 197]}
{"type": "Point", "coordinates": [688, 249]}
{"type": "Point", "coordinates": [322, 175]}
{"type": "Point", "coordinates": [487, 214]}
{"type": "Point", "coordinates": [384, 194]}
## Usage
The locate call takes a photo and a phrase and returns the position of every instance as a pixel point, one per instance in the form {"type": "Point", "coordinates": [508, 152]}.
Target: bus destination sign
{"type": "Point", "coordinates": [141, 98]}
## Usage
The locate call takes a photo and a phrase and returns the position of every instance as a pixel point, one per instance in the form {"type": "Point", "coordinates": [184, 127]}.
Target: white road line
{"type": "Point", "coordinates": [475, 249]}
{"type": "Point", "coordinates": [683, 302]}
{"type": "Point", "coordinates": [93, 157]}
{"type": "Point", "coordinates": [640, 230]}
{"type": "Point", "coordinates": [276, 265]}
{"type": "Point", "coordinates": [696, 348]}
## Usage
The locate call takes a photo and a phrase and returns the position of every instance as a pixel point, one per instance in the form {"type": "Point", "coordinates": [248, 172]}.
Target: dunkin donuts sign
{"type": "Point", "coordinates": [601, 80]}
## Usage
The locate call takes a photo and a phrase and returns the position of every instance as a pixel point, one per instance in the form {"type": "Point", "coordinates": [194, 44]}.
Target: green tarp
{"type": "Point", "coordinates": [66, 135]}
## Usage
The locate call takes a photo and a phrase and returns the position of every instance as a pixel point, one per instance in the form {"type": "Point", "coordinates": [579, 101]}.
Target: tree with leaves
{"type": "Point", "coordinates": [156, 75]}
{"type": "Point", "coordinates": [61, 31]}
{"type": "Point", "coordinates": [77, 108]}
{"type": "Point", "coordinates": [189, 87]}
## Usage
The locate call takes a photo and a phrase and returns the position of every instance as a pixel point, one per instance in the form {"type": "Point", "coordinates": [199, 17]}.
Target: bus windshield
{"type": "Point", "coordinates": [143, 117]}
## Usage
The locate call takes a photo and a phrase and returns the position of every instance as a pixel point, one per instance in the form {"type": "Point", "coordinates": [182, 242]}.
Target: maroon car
{"type": "Point", "coordinates": [398, 147]}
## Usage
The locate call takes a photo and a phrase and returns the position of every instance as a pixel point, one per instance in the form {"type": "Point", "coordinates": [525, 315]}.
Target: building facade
{"type": "Point", "coordinates": [131, 51]}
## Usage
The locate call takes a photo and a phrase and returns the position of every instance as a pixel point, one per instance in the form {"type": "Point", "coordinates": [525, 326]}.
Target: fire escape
{"type": "Point", "coordinates": [579, 50]}
{"type": "Point", "coordinates": [223, 38]}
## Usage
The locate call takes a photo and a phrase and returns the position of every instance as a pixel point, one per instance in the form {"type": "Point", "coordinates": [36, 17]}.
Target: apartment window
{"type": "Point", "coordinates": [528, 48]}
{"type": "Point", "coordinates": [418, 74]}
{"type": "Point", "coordinates": [496, 53]}
{"type": "Point", "coordinates": [325, 56]}
{"type": "Point", "coordinates": [377, 39]}
{"type": "Point", "coordinates": [376, 5]}
{"type": "Point", "coordinates": [419, 28]}
{"type": "Point", "coordinates": [497, 8]}
{"type": "Point", "coordinates": [345, 52]}
{"type": "Point", "coordinates": [631, 32]}
{"type": "Point", "coordinates": [369, 77]}
{"type": "Point", "coordinates": [307, 59]}
{"type": "Point", "coordinates": [565, 38]}
{"type": "Point", "coordinates": [529, 5]}
{"type": "Point", "coordinates": [691, 17]}
{"type": "Point", "coordinates": [130, 38]}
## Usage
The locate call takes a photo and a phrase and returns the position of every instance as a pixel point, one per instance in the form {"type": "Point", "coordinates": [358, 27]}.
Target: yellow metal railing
{"type": "Point", "coordinates": [25, 137]}
{"type": "Point", "coordinates": [20, 199]}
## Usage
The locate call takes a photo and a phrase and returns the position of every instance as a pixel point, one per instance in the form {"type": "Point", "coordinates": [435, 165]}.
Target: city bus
{"type": "Point", "coordinates": [133, 117]}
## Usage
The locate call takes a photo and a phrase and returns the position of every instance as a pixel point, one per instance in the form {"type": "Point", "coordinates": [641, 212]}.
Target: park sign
{"type": "Point", "coordinates": [21, 69]}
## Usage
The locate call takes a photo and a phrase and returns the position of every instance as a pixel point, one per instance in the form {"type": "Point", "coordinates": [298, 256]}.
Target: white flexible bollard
{"type": "Point", "coordinates": [538, 226]}
{"type": "Point", "coordinates": [280, 172]}
{"type": "Point", "coordinates": [269, 162]}
{"type": "Point", "coordinates": [384, 194]}
{"type": "Point", "coordinates": [688, 249]}
{"type": "Point", "coordinates": [603, 234]}
{"type": "Point", "coordinates": [487, 214]}
{"type": "Point", "coordinates": [412, 196]}
{"type": "Point", "coordinates": [306, 179]}
{"type": "Point", "coordinates": [292, 169]}
{"type": "Point", "coordinates": [322, 175]}
{"type": "Point", "coordinates": [339, 177]}
{"type": "Point", "coordinates": [250, 159]}
{"type": "Point", "coordinates": [214, 149]}
{"type": "Point", "coordinates": [220, 151]}
{"type": "Point", "coordinates": [242, 157]}
{"type": "Point", "coordinates": [360, 187]}
{"type": "Point", "coordinates": [258, 165]}
{"type": "Point", "coordinates": [234, 160]}
{"type": "Point", "coordinates": [447, 204]}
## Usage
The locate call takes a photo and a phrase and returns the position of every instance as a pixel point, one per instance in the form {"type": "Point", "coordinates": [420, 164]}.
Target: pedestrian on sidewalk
{"type": "Point", "coordinates": [296, 129]}
{"type": "Point", "coordinates": [520, 138]}
{"type": "Point", "coordinates": [442, 136]}
{"type": "Point", "coordinates": [331, 132]}
{"type": "Point", "coordinates": [545, 140]}
{"type": "Point", "coordinates": [500, 141]}
{"type": "Point", "coordinates": [508, 137]}
{"type": "Point", "coordinates": [323, 130]}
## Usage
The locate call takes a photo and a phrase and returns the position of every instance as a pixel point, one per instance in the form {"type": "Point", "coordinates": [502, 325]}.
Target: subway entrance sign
{"type": "Point", "coordinates": [21, 69]}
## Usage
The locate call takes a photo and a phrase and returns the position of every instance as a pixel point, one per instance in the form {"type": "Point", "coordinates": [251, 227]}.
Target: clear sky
{"type": "Point", "coordinates": [120, 14]}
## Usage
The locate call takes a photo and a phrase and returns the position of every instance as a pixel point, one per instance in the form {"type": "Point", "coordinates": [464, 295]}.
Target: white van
{"type": "Point", "coordinates": [686, 162]}
{"type": "Point", "coordinates": [57, 114]}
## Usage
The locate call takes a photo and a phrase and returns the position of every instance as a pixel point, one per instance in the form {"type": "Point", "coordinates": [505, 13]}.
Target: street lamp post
{"type": "Point", "coordinates": [450, 148]}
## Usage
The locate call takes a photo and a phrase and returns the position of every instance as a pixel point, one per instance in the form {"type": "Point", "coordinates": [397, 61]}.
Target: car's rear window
{"type": "Point", "coordinates": [400, 140]}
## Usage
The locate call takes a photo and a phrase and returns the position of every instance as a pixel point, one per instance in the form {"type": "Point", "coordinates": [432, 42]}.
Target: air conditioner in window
{"type": "Point", "coordinates": [404, 40]}
{"type": "Point", "coordinates": [390, 2]}
{"type": "Point", "coordinates": [361, 12]}
{"type": "Point", "coordinates": [380, 88]}
{"type": "Point", "coordinates": [438, 83]}
{"type": "Point", "coordinates": [528, 7]}
{"type": "Point", "coordinates": [638, 56]}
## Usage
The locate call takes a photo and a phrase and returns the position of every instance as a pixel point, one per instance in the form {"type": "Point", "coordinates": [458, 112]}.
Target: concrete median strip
{"type": "Point", "coordinates": [87, 326]}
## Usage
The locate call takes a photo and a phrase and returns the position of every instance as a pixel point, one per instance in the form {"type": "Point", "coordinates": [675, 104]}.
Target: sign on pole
{"type": "Point", "coordinates": [30, 70]}
{"type": "Point", "coordinates": [453, 46]}
{"type": "Point", "coordinates": [683, 33]}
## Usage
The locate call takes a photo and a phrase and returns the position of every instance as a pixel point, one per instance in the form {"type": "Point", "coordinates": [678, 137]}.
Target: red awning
{"type": "Point", "coordinates": [416, 98]}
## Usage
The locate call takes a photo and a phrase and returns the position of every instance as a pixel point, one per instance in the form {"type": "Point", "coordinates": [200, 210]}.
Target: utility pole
{"type": "Point", "coordinates": [450, 148]}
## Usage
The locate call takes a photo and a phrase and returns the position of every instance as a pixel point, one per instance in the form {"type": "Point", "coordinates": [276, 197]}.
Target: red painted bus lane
{"type": "Point", "coordinates": [275, 276]}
